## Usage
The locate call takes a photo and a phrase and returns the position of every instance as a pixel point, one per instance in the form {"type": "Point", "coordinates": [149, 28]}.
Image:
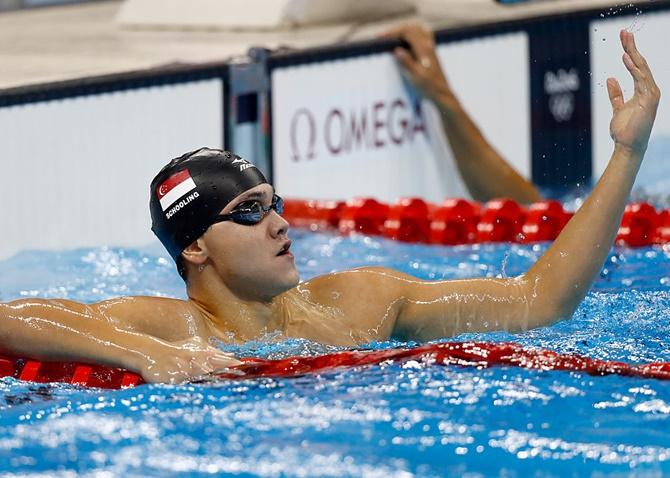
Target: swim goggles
{"type": "Point", "coordinates": [251, 212]}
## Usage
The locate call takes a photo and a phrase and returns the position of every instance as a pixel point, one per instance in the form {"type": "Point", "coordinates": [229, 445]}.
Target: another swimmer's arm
{"type": "Point", "coordinates": [559, 280]}
{"type": "Point", "coordinates": [486, 174]}
{"type": "Point", "coordinates": [65, 330]}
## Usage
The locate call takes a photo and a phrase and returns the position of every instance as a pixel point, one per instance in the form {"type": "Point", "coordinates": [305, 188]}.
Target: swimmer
{"type": "Point", "coordinates": [485, 173]}
{"type": "Point", "coordinates": [221, 221]}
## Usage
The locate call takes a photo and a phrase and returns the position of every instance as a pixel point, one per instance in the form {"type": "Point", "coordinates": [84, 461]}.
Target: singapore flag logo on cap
{"type": "Point", "coordinates": [175, 187]}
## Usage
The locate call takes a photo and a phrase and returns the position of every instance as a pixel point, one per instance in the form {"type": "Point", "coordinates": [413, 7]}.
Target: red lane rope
{"type": "Point", "coordinates": [464, 354]}
{"type": "Point", "coordinates": [458, 221]}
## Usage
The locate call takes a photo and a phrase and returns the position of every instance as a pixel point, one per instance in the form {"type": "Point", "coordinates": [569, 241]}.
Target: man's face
{"type": "Point", "coordinates": [253, 261]}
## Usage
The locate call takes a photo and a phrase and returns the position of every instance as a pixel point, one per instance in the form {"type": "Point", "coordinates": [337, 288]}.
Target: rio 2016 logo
{"type": "Point", "coordinates": [378, 125]}
{"type": "Point", "coordinates": [561, 86]}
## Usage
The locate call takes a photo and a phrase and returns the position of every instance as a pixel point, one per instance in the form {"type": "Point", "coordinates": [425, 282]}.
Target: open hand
{"type": "Point", "coordinates": [186, 360]}
{"type": "Point", "coordinates": [632, 120]}
{"type": "Point", "coordinates": [421, 64]}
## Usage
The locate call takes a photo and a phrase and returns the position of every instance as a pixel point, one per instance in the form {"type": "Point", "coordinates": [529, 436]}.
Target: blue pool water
{"type": "Point", "coordinates": [392, 421]}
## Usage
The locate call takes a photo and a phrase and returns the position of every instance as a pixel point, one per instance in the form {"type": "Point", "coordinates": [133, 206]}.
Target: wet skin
{"type": "Point", "coordinates": [242, 284]}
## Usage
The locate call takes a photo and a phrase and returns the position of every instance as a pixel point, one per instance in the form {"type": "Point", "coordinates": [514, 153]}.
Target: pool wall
{"type": "Point", "coordinates": [78, 156]}
{"type": "Point", "coordinates": [535, 86]}
{"type": "Point", "coordinates": [375, 138]}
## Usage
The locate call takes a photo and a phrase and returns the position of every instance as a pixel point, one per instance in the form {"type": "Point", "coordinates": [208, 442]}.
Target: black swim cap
{"type": "Point", "coordinates": [193, 188]}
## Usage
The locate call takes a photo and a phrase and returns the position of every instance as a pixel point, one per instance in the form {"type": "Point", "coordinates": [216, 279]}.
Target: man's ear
{"type": "Point", "coordinates": [195, 253]}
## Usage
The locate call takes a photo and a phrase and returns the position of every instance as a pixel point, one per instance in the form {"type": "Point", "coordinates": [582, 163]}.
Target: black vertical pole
{"type": "Point", "coordinates": [247, 105]}
{"type": "Point", "coordinates": [560, 88]}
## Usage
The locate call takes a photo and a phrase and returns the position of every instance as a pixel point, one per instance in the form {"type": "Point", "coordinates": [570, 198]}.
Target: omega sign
{"type": "Point", "coordinates": [375, 126]}
{"type": "Point", "coordinates": [561, 86]}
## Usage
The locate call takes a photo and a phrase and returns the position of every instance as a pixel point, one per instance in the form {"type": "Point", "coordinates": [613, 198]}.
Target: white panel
{"type": "Point", "coordinates": [651, 35]}
{"type": "Point", "coordinates": [491, 77]}
{"type": "Point", "coordinates": [322, 150]}
{"type": "Point", "coordinates": [76, 172]}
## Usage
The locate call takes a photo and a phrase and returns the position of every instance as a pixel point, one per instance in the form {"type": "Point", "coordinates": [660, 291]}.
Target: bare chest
{"type": "Point", "coordinates": [337, 321]}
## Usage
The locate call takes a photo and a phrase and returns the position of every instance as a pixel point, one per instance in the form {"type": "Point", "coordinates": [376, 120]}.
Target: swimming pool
{"type": "Point", "coordinates": [409, 420]}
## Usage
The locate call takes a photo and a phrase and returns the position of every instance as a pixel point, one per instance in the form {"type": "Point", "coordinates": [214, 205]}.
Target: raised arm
{"type": "Point", "coordinates": [565, 272]}
{"type": "Point", "coordinates": [66, 330]}
{"type": "Point", "coordinates": [559, 280]}
{"type": "Point", "coordinates": [486, 174]}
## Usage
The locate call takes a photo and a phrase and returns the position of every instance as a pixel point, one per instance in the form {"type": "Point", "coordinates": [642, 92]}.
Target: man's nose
{"type": "Point", "coordinates": [279, 226]}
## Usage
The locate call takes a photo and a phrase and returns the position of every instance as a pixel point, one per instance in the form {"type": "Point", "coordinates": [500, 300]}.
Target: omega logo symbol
{"type": "Point", "coordinates": [370, 127]}
{"type": "Point", "coordinates": [309, 124]}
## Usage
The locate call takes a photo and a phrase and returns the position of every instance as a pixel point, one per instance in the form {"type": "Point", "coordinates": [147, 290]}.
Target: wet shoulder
{"type": "Point", "coordinates": [354, 282]}
{"type": "Point", "coordinates": [166, 318]}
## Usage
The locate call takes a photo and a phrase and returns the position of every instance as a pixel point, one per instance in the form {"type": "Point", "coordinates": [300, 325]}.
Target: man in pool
{"type": "Point", "coordinates": [221, 221]}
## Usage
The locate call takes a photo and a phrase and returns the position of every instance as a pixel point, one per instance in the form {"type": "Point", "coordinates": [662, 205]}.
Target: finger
{"type": "Point", "coordinates": [403, 31]}
{"type": "Point", "coordinates": [630, 47]}
{"type": "Point", "coordinates": [198, 366]}
{"type": "Point", "coordinates": [394, 32]}
{"type": "Point", "coordinates": [615, 94]}
{"type": "Point", "coordinates": [204, 378]}
{"type": "Point", "coordinates": [212, 351]}
{"type": "Point", "coordinates": [635, 72]}
{"type": "Point", "coordinates": [420, 39]}
{"type": "Point", "coordinates": [229, 371]}
{"type": "Point", "coordinates": [224, 361]}
{"type": "Point", "coordinates": [634, 57]}
{"type": "Point", "coordinates": [406, 60]}
{"type": "Point", "coordinates": [176, 378]}
{"type": "Point", "coordinates": [220, 353]}
{"type": "Point", "coordinates": [640, 80]}
{"type": "Point", "coordinates": [217, 375]}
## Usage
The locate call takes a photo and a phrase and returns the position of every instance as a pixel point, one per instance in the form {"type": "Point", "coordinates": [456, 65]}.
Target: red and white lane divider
{"type": "Point", "coordinates": [462, 354]}
{"type": "Point", "coordinates": [458, 221]}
